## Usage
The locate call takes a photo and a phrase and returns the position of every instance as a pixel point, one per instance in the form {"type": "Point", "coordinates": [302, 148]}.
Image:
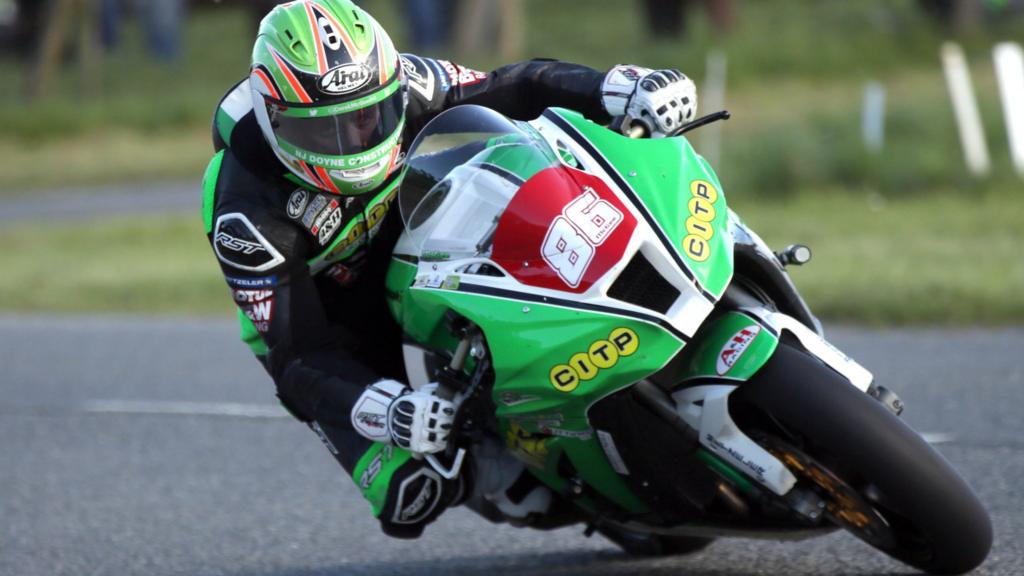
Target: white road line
{"type": "Point", "coordinates": [937, 437]}
{"type": "Point", "coordinates": [238, 410]}
{"type": "Point", "coordinates": [230, 409]}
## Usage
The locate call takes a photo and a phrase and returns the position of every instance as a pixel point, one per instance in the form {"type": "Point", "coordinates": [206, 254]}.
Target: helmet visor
{"type": "Point", "coordinates": [342, 134]}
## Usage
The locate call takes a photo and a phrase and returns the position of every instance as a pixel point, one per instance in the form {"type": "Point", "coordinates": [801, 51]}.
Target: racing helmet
{"type": "Point", "coordinates": [329, 94]}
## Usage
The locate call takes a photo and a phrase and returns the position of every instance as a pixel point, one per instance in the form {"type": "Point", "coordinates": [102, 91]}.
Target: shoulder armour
{"type": "Point", "coordinates": [231, 109]}
{"type": "Point", "coordinates": [239, 244]}
{"type": "Point", "coordinates": [426, 80]}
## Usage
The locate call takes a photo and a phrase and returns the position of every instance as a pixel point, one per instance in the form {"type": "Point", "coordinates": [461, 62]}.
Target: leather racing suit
{"type": "Point", "coordinates": [306, 267]}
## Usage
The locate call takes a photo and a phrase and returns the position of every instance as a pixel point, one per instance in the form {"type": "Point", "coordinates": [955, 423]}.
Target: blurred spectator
{"type": "Point", "coordinates": [484, 25]}
{"type": "Point", "coordinates": [161, 20]}
{"type": "Point", "coordinates": [26, 25]}
{"type": "Point", "coordinates": [964, 15]}
{"type": "Point", "coordinates": [430, 23]}
{"type": "Point", "coordinates": [667, 18]}
{"type": "Point", "coordinates": [952, 14]}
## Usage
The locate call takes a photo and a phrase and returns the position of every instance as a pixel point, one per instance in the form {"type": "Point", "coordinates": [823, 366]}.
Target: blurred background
{"type": "Point", "coordinates": [843, 137]}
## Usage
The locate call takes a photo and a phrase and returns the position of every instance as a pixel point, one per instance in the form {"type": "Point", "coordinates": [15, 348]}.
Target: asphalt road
{"type": "Point", "coordinates": [85, 202]}
{"type": "Point", "coordinates": [153, 446]}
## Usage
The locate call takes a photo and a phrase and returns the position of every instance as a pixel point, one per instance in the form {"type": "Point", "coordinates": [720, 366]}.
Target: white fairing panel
{"type": "Point", "coordinates": [706, 409]}
{"type": "Point", "coordinates": [859, 376]}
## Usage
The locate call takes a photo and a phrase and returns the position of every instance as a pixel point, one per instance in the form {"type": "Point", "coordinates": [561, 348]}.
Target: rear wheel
{"type": "Point", "coordinates": [879, 478]}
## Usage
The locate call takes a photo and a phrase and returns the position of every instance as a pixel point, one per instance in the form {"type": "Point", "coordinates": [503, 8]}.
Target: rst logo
{"type": "Point", "coordinates": [572, 239]}
{"type": "Point", "coordinates": [344, 79]}
{"type": "Point", "coordinates": [238, 245]}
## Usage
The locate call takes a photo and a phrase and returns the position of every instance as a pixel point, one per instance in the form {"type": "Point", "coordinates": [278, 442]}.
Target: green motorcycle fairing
{"type": "Point", "coordinates": [557, 348]}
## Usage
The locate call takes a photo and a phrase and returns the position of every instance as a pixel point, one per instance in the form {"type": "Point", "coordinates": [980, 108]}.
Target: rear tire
{"type": "Point", "coordinates": [938, 523]}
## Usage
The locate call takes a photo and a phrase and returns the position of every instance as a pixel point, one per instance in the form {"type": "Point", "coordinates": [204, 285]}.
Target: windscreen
{"type": "Point", "coordinates": [463, 170]}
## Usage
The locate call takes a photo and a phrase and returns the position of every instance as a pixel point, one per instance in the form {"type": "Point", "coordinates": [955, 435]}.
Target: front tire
{"type": "Point", "coordinates": [937, 523]}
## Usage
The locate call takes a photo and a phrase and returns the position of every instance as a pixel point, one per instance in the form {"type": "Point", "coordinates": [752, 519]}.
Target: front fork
{"type": "Point", "coordinates": [454, 384]}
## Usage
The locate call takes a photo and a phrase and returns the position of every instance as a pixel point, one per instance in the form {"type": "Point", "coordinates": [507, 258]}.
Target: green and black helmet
{"type": "Point", "coordinates": [329, 94]}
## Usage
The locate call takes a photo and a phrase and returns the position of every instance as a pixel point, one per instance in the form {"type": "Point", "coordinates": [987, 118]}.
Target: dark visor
{"type": "Point", "coordinates": [343, 134]}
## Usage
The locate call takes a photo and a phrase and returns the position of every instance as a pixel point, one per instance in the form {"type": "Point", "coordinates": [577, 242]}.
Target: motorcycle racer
{"type": "Point", "coordinates": [310, 150]}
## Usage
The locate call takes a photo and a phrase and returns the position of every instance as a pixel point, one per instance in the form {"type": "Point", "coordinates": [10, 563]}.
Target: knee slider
{"type": "Point", "coordinates": [417, 495]}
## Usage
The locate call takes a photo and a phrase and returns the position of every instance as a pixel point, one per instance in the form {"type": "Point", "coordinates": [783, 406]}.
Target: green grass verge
{"type": "Point", "coordinates": [144, 265]}
{"type": "Point", "coordinates": [104, 157]}
{"type": "Point", "coordinates": [947, 259]}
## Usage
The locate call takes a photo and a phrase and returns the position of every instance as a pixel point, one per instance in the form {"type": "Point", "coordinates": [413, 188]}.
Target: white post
{"type": "Point", "coordinates": [873, 117]}
{"type": "Point", "coordinates": [1009, 62]}
{"type": "Point", "coordinates": [712, 99]}
{"type": "Point", "coordinates": [972, 135]}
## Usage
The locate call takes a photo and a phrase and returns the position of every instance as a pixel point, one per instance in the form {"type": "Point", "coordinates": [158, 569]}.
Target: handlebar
{"type": "Point", "coordinates": [641, 129]}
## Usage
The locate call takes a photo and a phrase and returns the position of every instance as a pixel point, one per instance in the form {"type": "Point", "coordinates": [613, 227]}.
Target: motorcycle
{"type": "Point", "coordinates": [590, 299]}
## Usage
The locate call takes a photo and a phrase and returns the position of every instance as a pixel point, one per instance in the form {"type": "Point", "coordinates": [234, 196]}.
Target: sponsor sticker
{"type": "Point", "coordinates": [344, 79]}
{"type": "Point", "coordinates": [433, 280]}
{"type": "Point", "coordinates": [575, 434]}
{"type": "Point", "coordinates": [324, 215]}
{"type": "Point", "coordinates": [313, 210]}
{"type": "Point", "coordinates": [699, 222]}
{"type": "Point", "coordinates": [600, 355]}
{"type": "Point", "coordinates": [243, 283]}
{"type": "Point", "coordinates": [297, 203]}
{"type": "Point", "coordinates": [515, 398]}
{"type": "Point", "coordinates": [329, 226]}
{"type": "Point", "coordinates": [257, 305]}
{"type": "Point", "coordinates": [528, 448]}
{"type": "Point", "coordinates": [460, 76]}
{"type": "Point", "coordinates": [753, 468]}
{"type": "Point", "coordinates": [363, 228]}
{"type": "Point", "coordinates": [734, 348]}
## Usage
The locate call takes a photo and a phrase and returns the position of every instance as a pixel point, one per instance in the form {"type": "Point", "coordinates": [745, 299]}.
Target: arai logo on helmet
{"type": "Point", "coordinates": [735, 347]}
{"type": "Point", "coordinates": [345, 78]}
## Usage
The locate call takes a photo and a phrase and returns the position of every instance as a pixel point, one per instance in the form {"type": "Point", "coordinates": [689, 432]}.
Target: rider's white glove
{"type": "Point", "coordinates": [416, 420]}
{"type": "Point", "coordinates": [662, 100]}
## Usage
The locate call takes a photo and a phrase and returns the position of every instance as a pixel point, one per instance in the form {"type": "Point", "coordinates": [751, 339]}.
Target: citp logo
{"type": "Point", "coordinates": [344, 79]}
{"type": "Point", "coordinates": [699, 225]}
{"type": "Point", "coordinates": [600, 355]}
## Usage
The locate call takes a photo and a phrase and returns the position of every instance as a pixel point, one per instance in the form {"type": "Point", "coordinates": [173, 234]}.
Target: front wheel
{"type": "Point", "coordinates": [880, 479]}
